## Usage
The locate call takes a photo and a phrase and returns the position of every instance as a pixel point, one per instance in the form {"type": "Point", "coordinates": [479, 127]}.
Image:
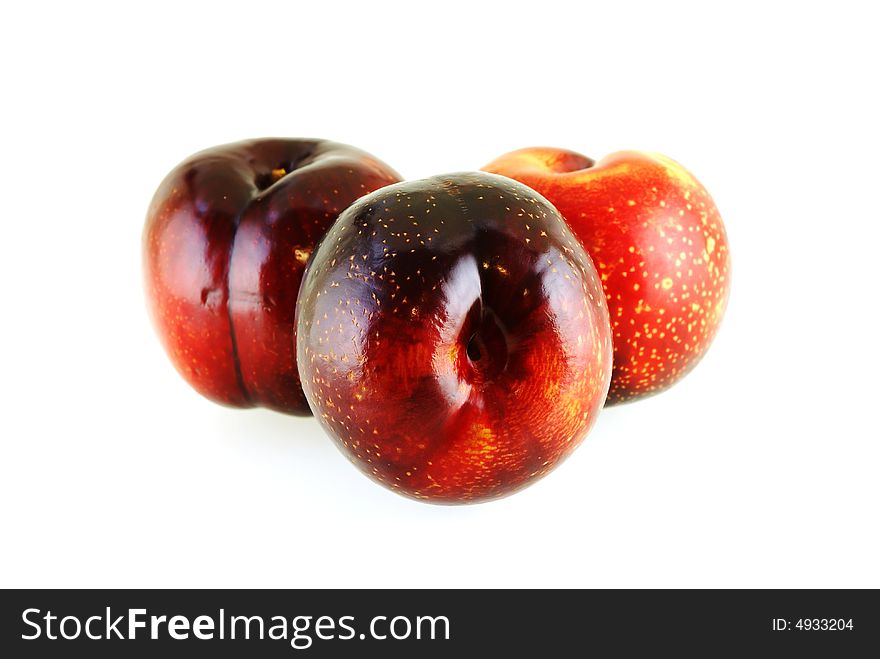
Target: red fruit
{"type": "Point", "coordinates": [453, 337]}
{"type": "Point", "coordinates": [659, 244]}
{"type": "Point", "coordinates": [225, 245]}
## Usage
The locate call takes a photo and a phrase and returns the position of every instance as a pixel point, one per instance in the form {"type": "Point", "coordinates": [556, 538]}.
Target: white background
{"type": "Point", "coordinates": [759, 469]}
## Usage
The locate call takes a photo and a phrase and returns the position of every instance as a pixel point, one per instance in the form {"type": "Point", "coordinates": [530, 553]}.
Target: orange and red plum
{"type": "Point", "coordinates": [659, 245]}
{"type": "Point", "coordinates": [226, 240]}
{"type": "Point", "coordinates": [453, 337]}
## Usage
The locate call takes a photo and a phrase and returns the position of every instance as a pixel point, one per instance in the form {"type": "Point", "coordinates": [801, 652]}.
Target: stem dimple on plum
{"type": "Point", "coordinates": [268, 179]}
{"type": "Point", "coordinates": [473, 349]}
{"type": "Point", "coordinates": [487, 349]}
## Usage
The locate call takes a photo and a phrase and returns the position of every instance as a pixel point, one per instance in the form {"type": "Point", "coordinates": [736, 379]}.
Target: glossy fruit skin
{"type": "Point", "coordinates": [225, 244]}
{"type": "Point", "coordinates": [661, 249]}
{"type": "Point", "coordinates": [453, 337]}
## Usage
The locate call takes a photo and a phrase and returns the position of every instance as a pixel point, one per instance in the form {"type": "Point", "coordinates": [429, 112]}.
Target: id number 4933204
{"type": "Point", "coordinates": [812, 624]}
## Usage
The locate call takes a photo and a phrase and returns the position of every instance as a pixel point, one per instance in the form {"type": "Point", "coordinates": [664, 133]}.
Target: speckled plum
{"type": "Point", "coordinates": [454, 339]}
{"type": "Point", "coordinates": [661, 249]}
{"type": "Point", "coordinates": [225, 245]}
